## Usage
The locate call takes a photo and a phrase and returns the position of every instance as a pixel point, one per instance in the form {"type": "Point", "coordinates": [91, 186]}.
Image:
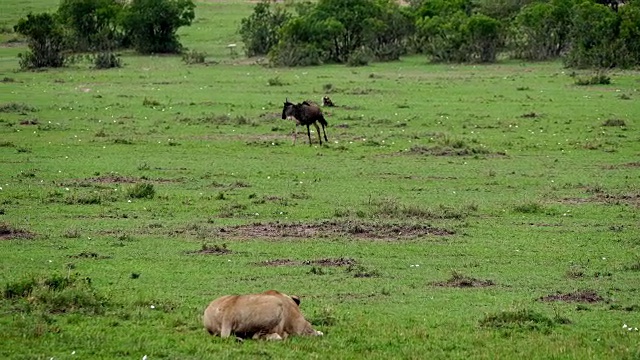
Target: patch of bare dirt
{"type": "Point", "coordinates": [279, 262]}
{"type": "Point", "coordinates": [7, 232]}
{"type": "Point", "coordinates": [89, 255]}
{"type": "Point", "coordinates": [530, 115]}
{"type": "Point", "coordinates": [586, 296]}
{"type": "Point", "coordinates": [332, 229]}
{"type": "Point", "coordinates": [112, 179]}
{"type": "Point", "coordinates": [331, 262]}
{"type": "Point", "coordinates": [617, 199]}
{"type": "Point", "coordinates": [213, 250]}
{"type": "Point", "coordinates": [633, 164]}
{"type": "Point", "coordinates": [463, 281]}
{"type": "Point", "coordinates": [29, 122]}
{"type": "Point", "coordinates": [451, 151]}
{"type": "Point", "coordinates": [116, 179]}
{"type": "Point", "coordinates": [604, 198]}
{"type": "Point", "coordinates": [319, 262]}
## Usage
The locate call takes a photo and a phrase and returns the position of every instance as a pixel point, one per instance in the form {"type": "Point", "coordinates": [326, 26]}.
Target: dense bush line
{"type": "Point", "coordinates": [102, 26]}
{"type": "Point", "coordinates": [585, 33]}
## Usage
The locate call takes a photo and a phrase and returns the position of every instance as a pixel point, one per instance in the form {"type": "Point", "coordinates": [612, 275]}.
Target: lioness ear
{"type": "Point", "coordinates": [295, 299]}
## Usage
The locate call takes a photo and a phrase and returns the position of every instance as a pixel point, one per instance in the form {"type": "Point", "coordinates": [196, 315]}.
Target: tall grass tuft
{"type": "Point", "coordinates": [141, 191]}
{"type": "Point", "coordinates": [522, 319]}
{"type": "Point", "coordinates": [55, 294]}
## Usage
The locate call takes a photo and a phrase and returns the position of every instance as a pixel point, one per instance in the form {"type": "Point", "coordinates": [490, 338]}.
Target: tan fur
{"type": "Point", "coordinates": [270, 315]}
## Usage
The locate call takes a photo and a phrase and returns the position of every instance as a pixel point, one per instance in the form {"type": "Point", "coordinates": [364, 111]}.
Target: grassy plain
{"type": "Point", "coordinates": [435, 175]}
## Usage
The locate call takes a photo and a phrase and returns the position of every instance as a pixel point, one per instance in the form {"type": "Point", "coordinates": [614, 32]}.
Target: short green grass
{"type": "Point", "coordinates": [132, 197]}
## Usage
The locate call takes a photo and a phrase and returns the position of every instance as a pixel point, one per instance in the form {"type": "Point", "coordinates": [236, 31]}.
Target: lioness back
{"type": "Point", "coordinates": [270, 315]}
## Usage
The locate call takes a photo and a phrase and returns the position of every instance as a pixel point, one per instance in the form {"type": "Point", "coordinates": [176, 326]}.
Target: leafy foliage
{"type": "Point", "coordinates": [260, 30]}
{"type": "Point", "coordinates": [458, 37]}
{"type": "Point", "coordinates": [107, 60]}
{"type": "Point", "coordinates": [522, 319]}
{"type": "Point", "coordinates": [332, 30]}
{"type": "Point", "coordinates": [152, 24]}
{"type": "Point", "coordinates": [141, 191]}
{"type": "Point", "coordinates": [92, 24]}
{"type": "Point", "coordinates": [594, 33]}
{"type": "Point", "coordinates": [483, 38]}
{"type": "Point", "coordinates": [541, 30]}
{"type": "Point", "coordinates": [194, 57]}
{"type": "Point", "coordinates": [45, 41]}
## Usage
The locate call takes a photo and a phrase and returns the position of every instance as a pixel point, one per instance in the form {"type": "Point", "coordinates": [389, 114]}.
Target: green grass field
{"type": "Point", "coordinates": [458, 211]}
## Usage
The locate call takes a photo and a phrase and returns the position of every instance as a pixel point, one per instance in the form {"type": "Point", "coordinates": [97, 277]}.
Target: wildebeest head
{"type": "Point", "coordinates": [288, 109]}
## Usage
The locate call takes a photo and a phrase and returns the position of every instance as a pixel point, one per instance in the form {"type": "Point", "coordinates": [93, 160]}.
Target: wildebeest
{"type": "Point", "coordinates": [305, 113]}
{"type": "Point", "coordinates": [270, 315]}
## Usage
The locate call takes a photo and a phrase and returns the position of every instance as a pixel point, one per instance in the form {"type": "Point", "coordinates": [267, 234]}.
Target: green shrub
{"type": "Point", "coordinates": [19, 289]}
{"type": "Point", "coordinates": [529, 208]}
{"type": "Point", "coordinates": [360, 57]}
{"type": "Point", "coordinates": [295, 54]}
{"type": "Point", "coordinates": [152, 24]}
{"type": "Point", "coordinates": [92, 24]}
{"type": "Point", "coordinates": [141, 191]}
{"type": "Point", "coordinates": [45, 39]}
{"type": "Point", "coordinates": [595, 42]}
{"type": "Point", "coordinates": [106, 60]}
{"type": "Point", "coordinates": [541, 30]}
{"type": "Point", "coordinates": [614, 122]}
{"type": "Point", "coordinates": [17, 108]}
{"type": "Point", "coordinates": [260, 31]}
{"type": "Point", "coordinates": [57, 294]}
{"type": "Point", "coordinates": [483, 38]}
{"type": "Point", "coordinates": [523, 319]}
{"type": "Point", "coordinates": [598, 79]}
{"type": "Point", "coordinates": [324, 317]}
{"type": "Point", "coordinates": [194, 57]}
{"type": "Point", "coordinates": [275, 82]}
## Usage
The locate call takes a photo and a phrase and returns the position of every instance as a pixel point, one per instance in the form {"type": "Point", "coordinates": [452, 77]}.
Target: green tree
{"type": "Point", "coordinates": [630, 34]}
{"type": "Point", "coordinates": [386, 34]}
{"type": "Point", "coordinates": [45, 40]}
{"type": "Point", "coordinates": [503, 10]}
{"type": "Point", "coordinates": [261, 31]}
{"type": "Point", "coordinates": [431, 8]}
{"type": "Point", "coordinates": [333, 30]}
{"type": "Point", "coordinates": [347, 21]}
{"type": "Point", "coordinates": [483, 38]}
{"type": "Point", "coordinates": [458, 37]}
{"type": "Point", "coordinates": [542, 30]}
{"type": "Point", "coordinates": [442, 37]}
{"type": "Point", "coordinates": [91, 24]}
{"type": "Point", "coordinates": [152, 24]}
{"type": "Point", "coordinates": [304, 42]}
{"type": "Point", "coordinates": [595, 37]}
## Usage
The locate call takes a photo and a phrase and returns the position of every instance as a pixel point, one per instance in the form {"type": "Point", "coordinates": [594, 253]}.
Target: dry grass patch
{"type": "Point", "coordinates": [328, 262]}
{"type": "Point", "coordinates": [8, 232]}
{"type": "Point", "coordinates": [212, 250]}
{"type": "Point", "coordinates": [462, 281]}
{"type": "Point", "coordinates": [329, 229]}
{"type": "Point", "coordinates": [584, 296]}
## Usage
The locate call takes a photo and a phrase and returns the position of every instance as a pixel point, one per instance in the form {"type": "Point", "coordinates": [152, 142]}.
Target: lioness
{"type": "Point", "coordinates": [270, 315]}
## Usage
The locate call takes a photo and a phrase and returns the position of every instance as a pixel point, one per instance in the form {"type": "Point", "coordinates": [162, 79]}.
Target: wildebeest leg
{"type": "Point", "coordinates": [325, 133]}
{"type": "Point", "coordinates": [309, 134]}
{"type": "Point", "coordinates": [295, 133]}
{"type": "Point", "coordinates": [318, 131]}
